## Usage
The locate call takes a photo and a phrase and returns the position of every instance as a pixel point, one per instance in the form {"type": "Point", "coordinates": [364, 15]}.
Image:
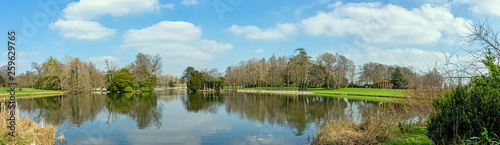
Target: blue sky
{"type": "Point", "coordinates": [219, 33]}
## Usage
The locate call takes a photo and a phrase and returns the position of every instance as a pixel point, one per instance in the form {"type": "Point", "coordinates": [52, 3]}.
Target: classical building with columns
{"type": "Point", "coordinates": [384, 84]}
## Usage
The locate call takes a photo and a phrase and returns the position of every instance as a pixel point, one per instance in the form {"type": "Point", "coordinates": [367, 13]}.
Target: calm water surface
{"type": "Point", "coordinates": [175, 117]}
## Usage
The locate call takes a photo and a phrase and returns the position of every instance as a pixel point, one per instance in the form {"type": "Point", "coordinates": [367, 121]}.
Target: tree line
{"type": "Point", "coordinates": [327, 70]}
{"type": "Point", "coordinates": [300, 70]}
{"type": "Point", "coordinates": [76, 76]}
{"type": "Point", "coordinates": [203, 80]}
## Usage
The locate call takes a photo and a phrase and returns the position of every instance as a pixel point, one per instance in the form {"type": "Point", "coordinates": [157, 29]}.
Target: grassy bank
{"type": "Point", "coordinates": [370, 94]}
{"type": "Point", "coordinates": [340, 91]}
{"type": "Point", "coordinates": [354, 97]}
{"type": "Point", "coordinates": [28, 93]}
{"type": "Point", "coordinates": [26, 131]}
{"type": "Point", "coordinates": [359, 91]}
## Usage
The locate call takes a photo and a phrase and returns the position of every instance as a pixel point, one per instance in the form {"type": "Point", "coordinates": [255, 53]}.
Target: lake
{"type": "Point", "coordinates": [176, 117]}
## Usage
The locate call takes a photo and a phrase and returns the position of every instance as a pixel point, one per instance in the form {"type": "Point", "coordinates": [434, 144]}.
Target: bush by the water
{"type": "Point", "coordinates": [128, 89]}
{"type": "Point", "coordinates": [466, 110]}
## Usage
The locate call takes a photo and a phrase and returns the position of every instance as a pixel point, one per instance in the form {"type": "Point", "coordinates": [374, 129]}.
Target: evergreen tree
{"type": "Point", "coordinates": [194, 82]}
{"type": "Point", "coordinates": [399, 80]}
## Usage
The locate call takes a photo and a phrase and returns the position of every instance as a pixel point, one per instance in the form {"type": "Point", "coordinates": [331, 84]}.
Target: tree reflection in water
{"type": "Point", "coordinates": [142, 108]}
{"type": "Point", "coordinates": [205, 102]}
{"type": "Point", "coordinates": [73, 108]}
{"type": "Point", "coordinates": [77, 109]}
{"type": "Point", "coordinates": [294, 111]}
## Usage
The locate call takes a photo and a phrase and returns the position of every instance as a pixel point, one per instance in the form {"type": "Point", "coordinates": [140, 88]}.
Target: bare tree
{"type": "Point", "coordinates": [351, 71]}
{"type": "Point", "coordinates": [327, 60]}
{"type": "Point", "coordinates": [76, 77]}
{"type": "Point", "coordinates": [485, 35]}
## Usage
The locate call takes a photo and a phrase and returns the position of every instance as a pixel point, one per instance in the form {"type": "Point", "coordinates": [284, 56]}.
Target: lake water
{"type": "Point", "coordinates": [176, 117]}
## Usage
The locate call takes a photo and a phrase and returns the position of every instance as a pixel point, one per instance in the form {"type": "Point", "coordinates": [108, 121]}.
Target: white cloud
{"type": "Point", "coordinates": [175, 40]}
{"type": "Point", "coordinates": [91, 9]}
{"type": "Point", "coordinates": [375, 22]}
{"type": "Point", "coordinates": [259, 50]}
{"type": "Point", "coordinates": [483, 6]}
{"type": "Point", "coordinates": [190, 2]}
{"type": "Point", "coordinates": [281, 31]}
{"type": "Point", "coordinates": [78, 16]}
{"type": "Point", "coordinates": [80, 29]}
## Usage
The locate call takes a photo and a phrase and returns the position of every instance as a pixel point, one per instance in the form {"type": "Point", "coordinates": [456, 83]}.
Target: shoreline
{"type": "Point", "coordinates": [32, 95]}
{"type": "Point", "coordinates": [276, 92]}
{"type": "Point", "coordinates": [369, 97]}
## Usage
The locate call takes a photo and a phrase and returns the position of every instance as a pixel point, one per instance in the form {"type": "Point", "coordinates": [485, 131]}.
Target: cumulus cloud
{"type": "Point", "coordinates": [281, 31]}
{"type": "Point", "coordinates": [483, 6]}
{"type": "Point", "coordinates": [78, 16]}
{"type": "Point", "coordinates": [375, 22]}
{"type": "Point", "coordinates": [91, 9]}
{"type": "Point", "coordinates": [81, 29]}
{"type": "Point", "coordinates": [176, 40]}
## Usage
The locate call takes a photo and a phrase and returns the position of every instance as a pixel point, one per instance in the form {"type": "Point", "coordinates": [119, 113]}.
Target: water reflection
{"type": "Point", "coordinates": [296, 112]}
{"type": "Point", "coordinates": [175, 117]}
{"type": "Point", "coordinates": [207, 102]}
{"type": "Point", "coordinates": [76, 109]}
{"type": "Point", "coordinates": [142, 108]}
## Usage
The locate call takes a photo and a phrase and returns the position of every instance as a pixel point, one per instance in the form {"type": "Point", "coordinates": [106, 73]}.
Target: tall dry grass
{"type": "Point", "coordinates": [26, 131]}
{"type": "Point", "coordinates": [374, 129]}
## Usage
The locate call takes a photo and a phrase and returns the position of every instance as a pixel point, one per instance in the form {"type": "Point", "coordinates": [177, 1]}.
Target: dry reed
{"type": "Point", "coordinates": [26, 130]}
{"type": "Point", "coordinates": [375, 129]}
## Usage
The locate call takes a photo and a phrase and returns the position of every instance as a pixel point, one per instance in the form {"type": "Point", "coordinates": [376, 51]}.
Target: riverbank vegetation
{"type": "Point", "coordinates": [27, 131]}
{"type": "Point", "coordinates": [141, 75]}
{"type": "Point", "coordinates": [211, 80]}
{"type": "Point", "coordinates": [375, 129]}
{"type": "Point", "coordinates": [370, 94]}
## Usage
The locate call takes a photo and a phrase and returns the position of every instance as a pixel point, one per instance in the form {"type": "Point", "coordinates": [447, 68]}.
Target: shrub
{"type": "Point", "coordinates": [128, 89]}
{"type": "Point", "coordinates": [146, 89]}
{"type": "Point", "coordinates": [353, 85]}
{"type": "Point", "coordinates": [466, 110]}
{"type": "Point", "coordinates": [370, 85]}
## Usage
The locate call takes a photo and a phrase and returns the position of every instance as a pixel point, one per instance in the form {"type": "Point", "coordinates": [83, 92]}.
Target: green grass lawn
{"type": "Point", "coordinates": [353, 97]}
{"type": "Point", "coordinates": [28, 93]}
{"type": "Point", "coordinates": [344, 91]}
{"type": "Point", "coordinates": [271, 88]}
{"type": "Point", "coordinates": [359, 91]}
{"type": "Point", "coordinates": [418, 136]}
{"type": "Point", "coordinates": [4, 90]}
{"type": "Point", "coordinates": [349, 93]}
